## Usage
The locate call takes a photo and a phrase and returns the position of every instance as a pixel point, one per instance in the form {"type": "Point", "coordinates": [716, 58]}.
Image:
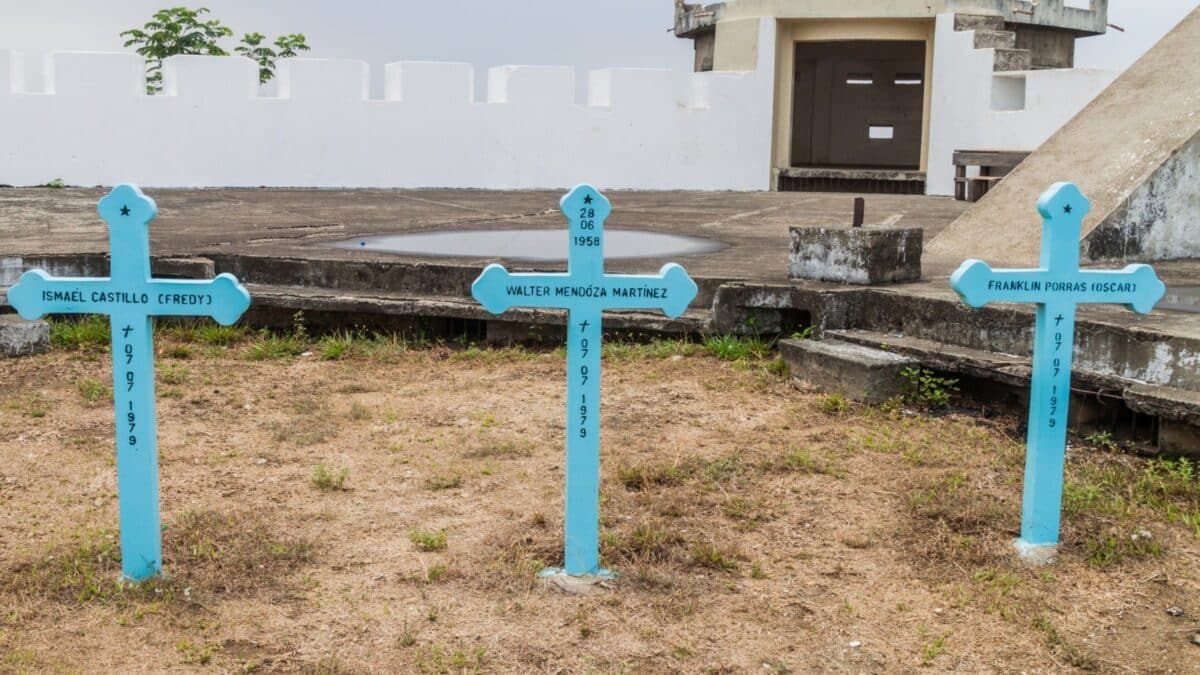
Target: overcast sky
{"type": "Point", "coordinates": [587, 35]}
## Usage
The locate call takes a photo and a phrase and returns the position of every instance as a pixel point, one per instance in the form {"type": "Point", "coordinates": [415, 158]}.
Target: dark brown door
{"type": "Point", "coordinates": [858, 104]}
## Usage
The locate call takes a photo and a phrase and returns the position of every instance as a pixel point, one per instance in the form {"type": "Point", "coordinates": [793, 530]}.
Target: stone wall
{"type": "Point", "coordinates": [639, 128]}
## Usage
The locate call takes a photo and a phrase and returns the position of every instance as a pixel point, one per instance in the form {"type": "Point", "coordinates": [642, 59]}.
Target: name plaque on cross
{"type": "Point", "coordinates": [1057, 287]}
{"type": "Point", "coordinates": [585, 291]}
{"type": "Point", "coordinates": [130, 296]}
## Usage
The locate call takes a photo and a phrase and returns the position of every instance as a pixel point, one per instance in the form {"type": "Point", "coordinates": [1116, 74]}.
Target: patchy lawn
{"type": "Point", "coordinates": [374, 504]}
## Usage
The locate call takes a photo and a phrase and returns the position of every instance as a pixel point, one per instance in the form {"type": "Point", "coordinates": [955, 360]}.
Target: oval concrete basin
{"type": "Point", "coordinates": [541, 245]}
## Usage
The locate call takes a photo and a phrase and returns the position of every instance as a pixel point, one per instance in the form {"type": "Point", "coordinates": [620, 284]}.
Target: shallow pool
{"type": "Point", "coordinates": [541, 245]}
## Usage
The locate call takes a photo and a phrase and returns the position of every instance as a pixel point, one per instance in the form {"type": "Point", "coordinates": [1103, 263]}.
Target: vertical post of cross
{"type": "Point", "coordinates": [586, 213]}
{"type": "Point", "coordinates": [585, 291]}
{"type": "Point", "coordinates": [133, 386]}
{"type": "Point", "coordinates": [1057, 287]}
{"type": "Point", "coordinates": [130, 296]}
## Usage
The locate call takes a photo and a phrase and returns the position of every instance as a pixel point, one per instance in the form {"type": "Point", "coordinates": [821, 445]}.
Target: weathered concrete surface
{"type": "Point", "coordinates": [862, 256]}
{"type": "Point", "coordinates": [23, 338]}
{"type": "Point", "coordinates": [292, 224]}
{"type": "Point", "coordinates": [855, 371]}
{"type": "Point", "coordinates": [1160, 219]}
{"type": "Point", "coordinates": [1120, 150]}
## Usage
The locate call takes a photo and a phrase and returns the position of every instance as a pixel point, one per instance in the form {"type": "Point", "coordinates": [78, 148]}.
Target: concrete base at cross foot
{"type": "Point", "coordinates": [586, 584]}
{"type": "Point", "coordinates": [1036, 555]}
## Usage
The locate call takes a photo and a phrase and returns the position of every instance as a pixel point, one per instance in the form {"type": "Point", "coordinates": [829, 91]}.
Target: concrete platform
{"type": "Point", "coordinates": [276, 241]}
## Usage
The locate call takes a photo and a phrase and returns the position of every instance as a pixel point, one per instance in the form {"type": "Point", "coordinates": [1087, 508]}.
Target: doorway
{"type": "Point", "coordinates": [858, 104]}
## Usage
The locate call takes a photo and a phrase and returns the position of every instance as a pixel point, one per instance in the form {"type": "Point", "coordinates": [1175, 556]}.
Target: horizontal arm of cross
{"type": "Point", "coordinates": [37, 294]}
{"type": "Point", "coordinates": [1136, 286]}
{"type": "Point", "coordinates": [670, 291]}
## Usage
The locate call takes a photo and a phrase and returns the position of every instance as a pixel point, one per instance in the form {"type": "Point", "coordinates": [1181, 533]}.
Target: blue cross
{"type": "Point", "coordinates": [1057, 287]}
{"type": "Point", "coordinates": [130, 296]}
{"type": "Point", "coordinates": [584, 291]}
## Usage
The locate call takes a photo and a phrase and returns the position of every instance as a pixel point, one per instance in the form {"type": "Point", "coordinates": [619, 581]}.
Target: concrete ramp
{"type": "Point", "coordinates": [1134, 151]}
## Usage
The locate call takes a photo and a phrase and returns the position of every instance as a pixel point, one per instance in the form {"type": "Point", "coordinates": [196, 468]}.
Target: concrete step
{"type": "Point", "coordinates": [363, 306]}
{"type": "Point", "coordinates": [992, 22]}
{"type": "Point", "coordinates": [1008, 60]}
{"type": "Point", "coordinates": [1178, 410]}
{"type": "Point", "coordinates": [855, 371]}
{"type": "Point", "coordinates": [995, 39]}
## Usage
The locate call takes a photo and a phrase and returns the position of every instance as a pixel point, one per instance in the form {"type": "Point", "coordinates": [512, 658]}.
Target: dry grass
{"type": "Point", "coordinates": [755, 527]}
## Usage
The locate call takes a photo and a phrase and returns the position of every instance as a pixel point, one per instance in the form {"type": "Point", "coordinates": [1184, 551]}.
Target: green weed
{"type": "Point", "coordinates": [834, 404]}
{"type": "Point", "coordinates": [86, 334]}
{"type": "Point", "coordinates": [738, 348]}
{"type": "Point", "coordinates": [428, 541]}
{"type": "Point", "coordinates": [324, 478]}
{"type": "Point", "coordinates": [933, 650]}
{"type": "Point", "coordinates": [924, 387]}
{"type": "Point", "coordinates": [173, 373]}
{"type": "Point", "coordinates": [713, 557]}
{"type": "Point", "coordinates": [443, 481]}
{"type": "Point", "coordinates": [93, 390]}
{"type": "Point", "coordinates": [337, 347]}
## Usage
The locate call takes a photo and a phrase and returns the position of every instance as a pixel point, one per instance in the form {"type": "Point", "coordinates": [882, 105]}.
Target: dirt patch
{"type": "Point", "coordinates": [385, 506]}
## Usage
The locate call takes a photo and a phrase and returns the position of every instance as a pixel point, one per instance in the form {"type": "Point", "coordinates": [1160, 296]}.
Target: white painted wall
{"type": "Point", "coordinates": [962, 115]}
{"type": "Point", "coordinates": [640, 128]}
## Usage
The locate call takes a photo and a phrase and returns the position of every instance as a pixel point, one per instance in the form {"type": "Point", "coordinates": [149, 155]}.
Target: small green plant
{"type": "Point", "coordinates": [181, 352]}
{"type": "Point", "coordinates": [435, 573]}
{"type": "Point", "coordinates": [834, 404]}
{"type": "Point", "coordinates": [275, 346]}
{"type": "Point", "coordinates": [428, 541]}
{"type": "Point", "coordinates": [738, 348]}
{"type": "Point", "coordinates": [359, 412]}
{"type": "Point", "coordinates": [86, 334]}
{"type": "Point", "coordinates": [712, 557]}
{"type": "Point", "coordinates": [1109, 549]}
{"type": "Point", "coordinates": [181, 30]}
{"type": "Point", "coordinates": [196, 654]}
{"type": "Point", "coordinates": [174, 373]}
{"type": "Point", "coordinates": [324, 478]}
{"type": "Point", "coordinates": [757, 572]}
{"type": "Point", "coordinates": [285, 47]}
{"type": "Point", "coordinates": [933, 650]}
{"type": "Point", "coordinates": [212, 333]}
{"type": "Point", "coordinates": [1103, 440]}
{"type": "Point", "coordinates": [56, 184]}
{"type": "Point", "coordinates": [805, 333]}
{"type": "Point", "coordinates": [446, 481]}
{"type": "Point", "coordinates": [93, 390]}
{"type": "Point", "coordinates": [336, 347]}
{"type": "Point", "coordinates": [924, 387]}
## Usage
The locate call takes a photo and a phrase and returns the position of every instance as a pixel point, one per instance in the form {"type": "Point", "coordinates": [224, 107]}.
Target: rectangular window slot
{"type": "Point", "coordinates": [860, 79]}
{"type": "Point", "coordinates": [881, 132]}
{"type": "Point", "coordinates": [909, 79]}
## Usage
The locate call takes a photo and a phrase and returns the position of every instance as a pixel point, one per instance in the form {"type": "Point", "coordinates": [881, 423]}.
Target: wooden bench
{"type": "Point", "coordinates": [993, 165]}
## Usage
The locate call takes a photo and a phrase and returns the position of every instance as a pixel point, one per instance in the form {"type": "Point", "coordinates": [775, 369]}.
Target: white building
{"type": "Point", "coordinates": [880, 94]}
{"type": "Point", "coordinates": [788, 94]}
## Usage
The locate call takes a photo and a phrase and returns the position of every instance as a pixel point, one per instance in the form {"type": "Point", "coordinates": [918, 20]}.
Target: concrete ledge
{"type": "Point", "coordinates": [19, 337]}
{"type": "Point", "coordinates": [859, 256]}
{"type": "Point", "coordinates": [854, 371]}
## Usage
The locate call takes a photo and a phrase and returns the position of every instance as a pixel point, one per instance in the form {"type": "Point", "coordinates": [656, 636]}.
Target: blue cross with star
{"type": "Point", "coordinates": [1057, 287]}
{"type": "Point", "coordinates": [130, 296]}
{"type": "Point", "coordinates": [585, 291]}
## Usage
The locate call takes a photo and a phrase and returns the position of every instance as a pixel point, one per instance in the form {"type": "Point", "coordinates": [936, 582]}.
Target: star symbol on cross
{"type": "Point", "coordinates": [587, 199]}
{"type": "Point", "coordinates": [125, 210]}
{"type": "Point", "coordinates": [1067, 208]}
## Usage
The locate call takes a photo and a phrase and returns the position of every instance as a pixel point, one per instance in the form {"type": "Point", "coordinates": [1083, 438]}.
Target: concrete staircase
{"type": "Point", "coordinates": [990, 33]}
{"type": "Point", "coordinates": [1134, 151]}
